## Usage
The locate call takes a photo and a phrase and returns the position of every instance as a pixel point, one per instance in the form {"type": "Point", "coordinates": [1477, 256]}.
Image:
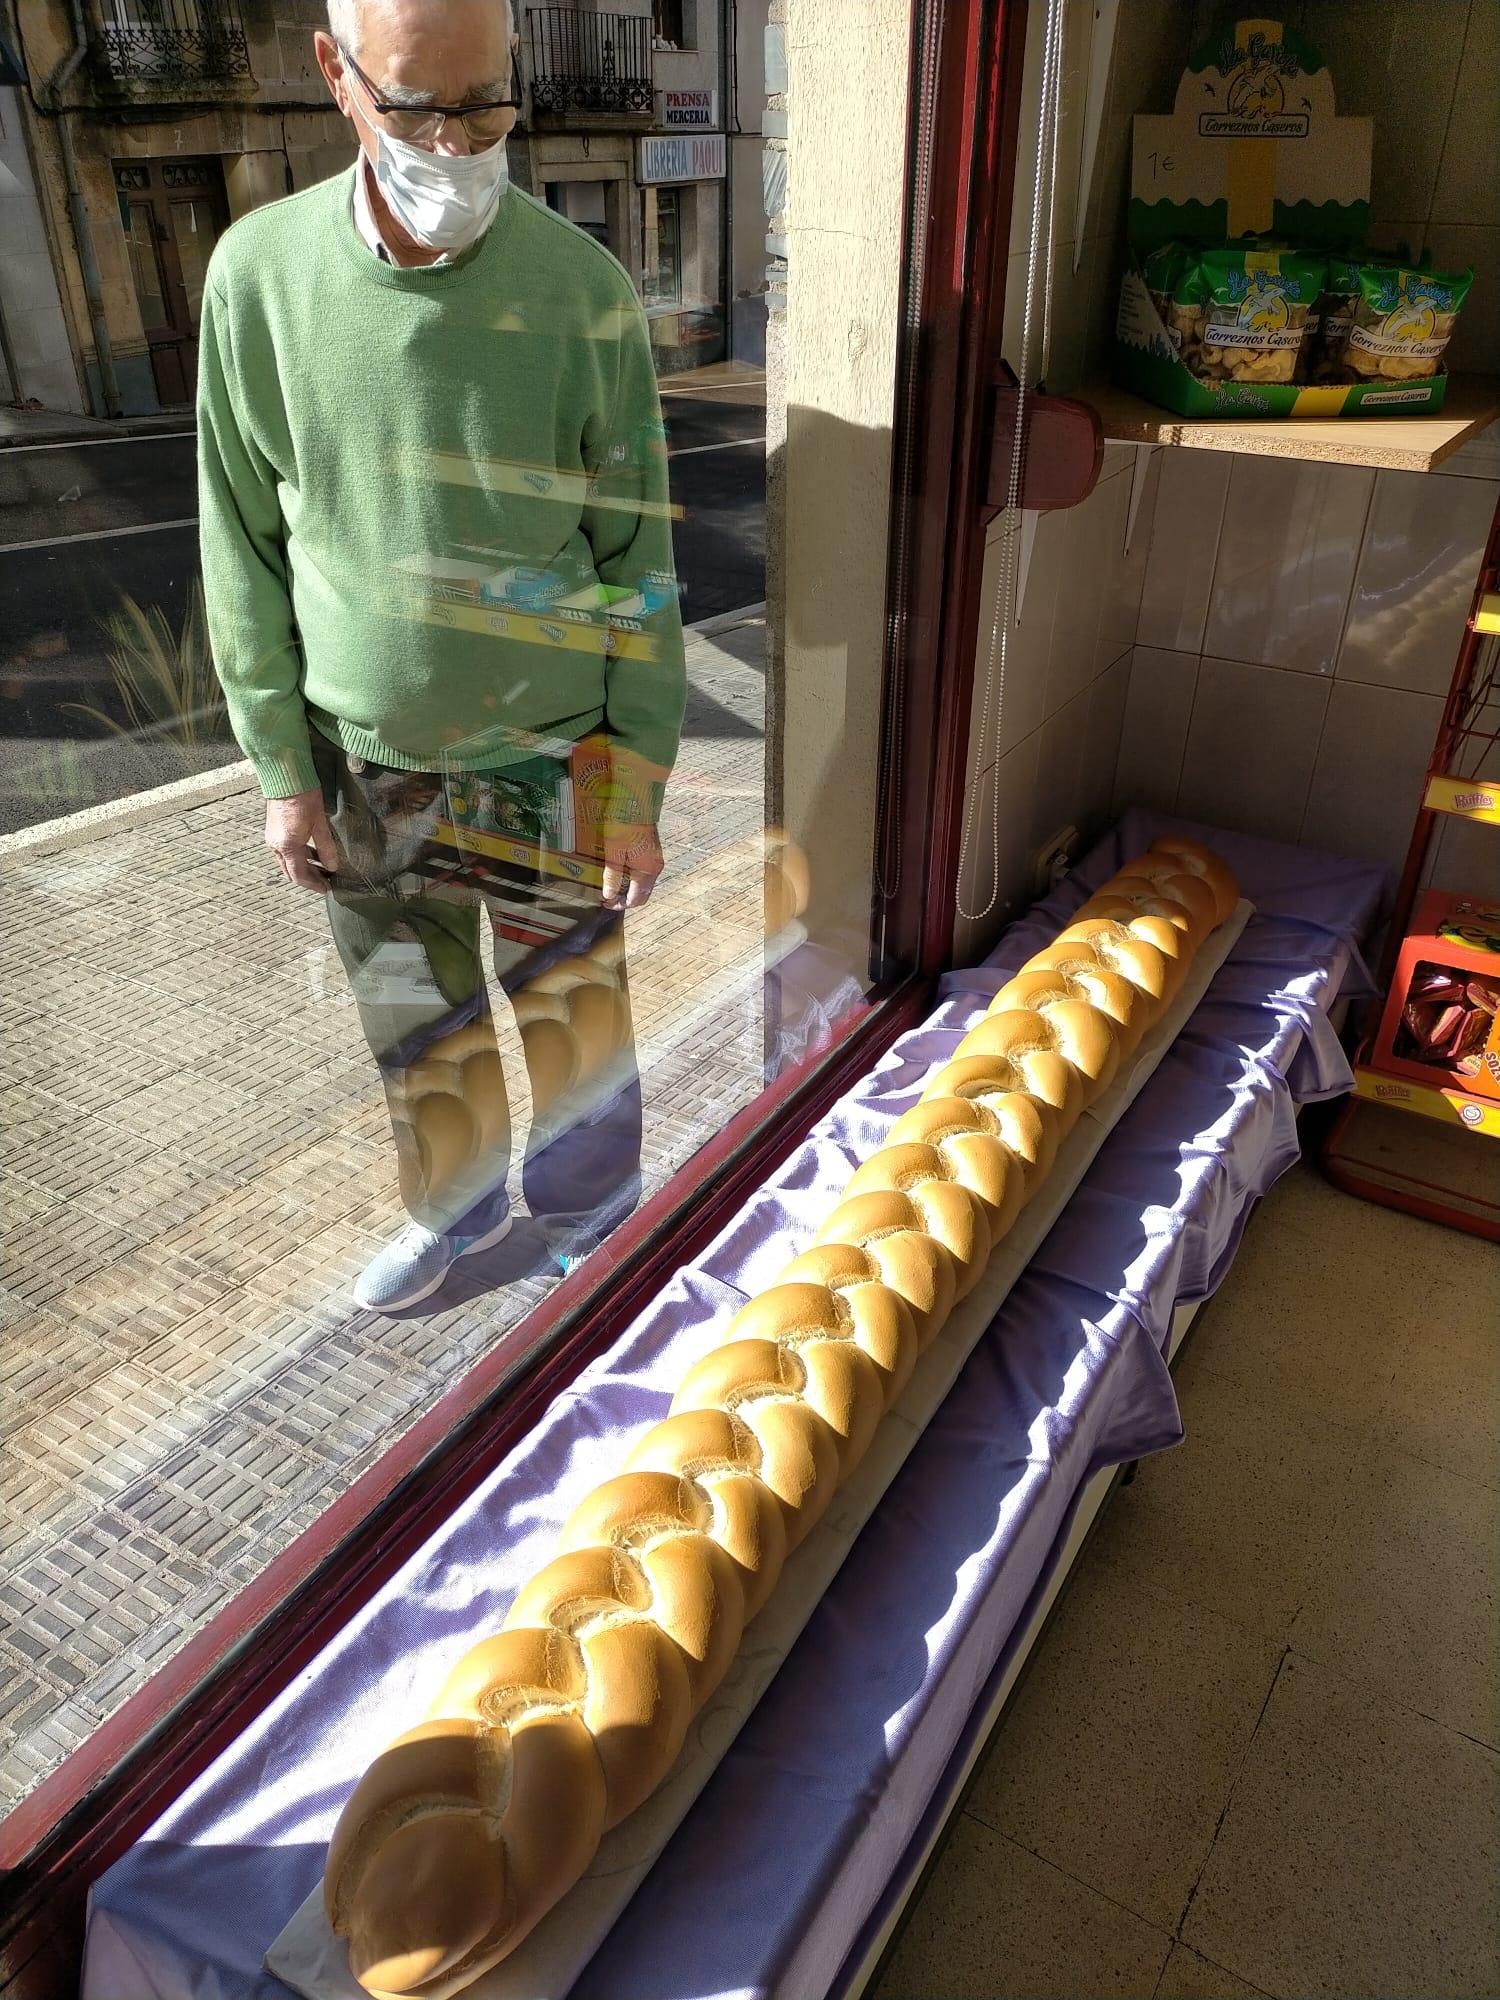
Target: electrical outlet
{"type": "Point", "coordinates": [1055, 859]}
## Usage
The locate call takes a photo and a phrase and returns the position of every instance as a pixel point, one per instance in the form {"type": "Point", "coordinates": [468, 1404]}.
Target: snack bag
{"type": "Point", "coordinates": [1161, 269]}
{"type": "Point", "coordinates": [1245, 315]}
{"type": "Point", "coordinates": [1334, 314]}
{"type": "Point", "coordinates": [1403, 320]}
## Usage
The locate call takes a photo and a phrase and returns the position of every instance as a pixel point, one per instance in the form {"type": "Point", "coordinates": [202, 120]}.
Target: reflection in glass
{"type": "Point", "coordinates": [193, 233]}
{"type": "Point", "coordinates": [223, 1099]}
{"type": "Point", "coordinates": [661, 217]}
{"type": "Point", "coordinates": [145, 268]}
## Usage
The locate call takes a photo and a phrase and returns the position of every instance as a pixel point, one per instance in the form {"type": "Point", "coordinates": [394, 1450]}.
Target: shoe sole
{"type": "Point", "coordinates": [487, 1242]}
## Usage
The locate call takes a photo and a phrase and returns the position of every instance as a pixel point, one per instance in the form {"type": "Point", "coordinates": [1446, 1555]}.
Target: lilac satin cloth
{"type": "Point", "coordinates": [779, 1867]}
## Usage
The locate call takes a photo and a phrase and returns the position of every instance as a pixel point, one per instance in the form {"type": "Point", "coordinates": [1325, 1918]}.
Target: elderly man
{"type": "Point", "coordinates": [438, 569]}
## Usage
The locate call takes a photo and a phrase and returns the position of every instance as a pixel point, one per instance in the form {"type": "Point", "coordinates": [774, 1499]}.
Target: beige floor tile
{"type": "Point", "coordinates": [995, 1923]}
{"type": "Point", "coordinates": [1443, 1402]}
{"type": "Point", "coordinates": [1119, 1754]}
{"type": "Point", "coordinates": [1360, 1855]}
{"type": "Point", "coordinates": [1322, 1305]}
{"type": "Point", "coordinates": [1405, 1598]}
{"type": "Point", "coordinates": [1190, 1977]}
{"type": "Point", "coordinates": [1305, 1325]}
{"type": "Point", "coordinates": [1236, 1518]}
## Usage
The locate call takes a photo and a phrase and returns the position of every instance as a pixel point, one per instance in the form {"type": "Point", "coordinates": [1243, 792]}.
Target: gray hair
{"type": "Point", "coordinates": [345, 18]}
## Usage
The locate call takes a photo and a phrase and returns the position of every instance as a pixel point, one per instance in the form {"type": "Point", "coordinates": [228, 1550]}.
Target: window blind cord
{"type": "Point", "coordinates": [1039, 262]}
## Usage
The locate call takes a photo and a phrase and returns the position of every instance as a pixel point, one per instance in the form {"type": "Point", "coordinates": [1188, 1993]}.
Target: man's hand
{"type": "Point", "coordinates": [298, 834]}
{"type": "Point", "coordinates": [632, 862]}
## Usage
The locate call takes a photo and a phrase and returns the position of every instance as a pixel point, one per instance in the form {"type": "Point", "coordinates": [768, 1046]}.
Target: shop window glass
{"type": "Point", "coordinates": [661, 234]}
{"type": "Point", "coordinates": [307, 1108]}
{"type": "Point", "coordinates": [668, 22]}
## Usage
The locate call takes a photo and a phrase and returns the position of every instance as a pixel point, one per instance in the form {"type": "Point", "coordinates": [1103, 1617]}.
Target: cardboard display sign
{"type": "Point", "coordinates": [1253, 144]}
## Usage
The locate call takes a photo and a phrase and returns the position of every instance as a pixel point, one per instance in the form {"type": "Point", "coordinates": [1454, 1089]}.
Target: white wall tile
{"type": "Point", "coordinates": [1106, 258]}
{"type": "Point", "coordinates": [1101, 751]}
{"type": "Point", "coordinates": [1478, 458]}
{"type": "Point", "coordinates": [1416, 574]}
{"type": "Point", "coordinates": [1122, 604]}
{"type": "Point", "coordinates": [1405, 52]}
{"type": "Point", "coordinates": [1068, 326]}
{"type": "Point", "coordinates": [1077, 32]}
{"type": "Point", "coordinates": [1151, 46]}
{"type": "Point", "coordinates": [1468, 183]}
{"type": "Point", "coordinates": [1057, 801]}
{"type": "Point", "coordinates": [1081, 538]}
{"type": "Point", "coordinates": [1021, 677]}
{"type": "Point", "coordinates": [1003, 806]}
{"type": "Point", "coordinates": [1367, 782]}
{"type": "Point", "coordinates": [1154, 728]}
{"type": "Point", "coordinates": [1184, 541]}
{"type": "Point", "coordinates": [1476, 339]}
{"type": "Point", "coordinates": [1015, 311]}
{"type": "Point", "coordinates": [1112, 497]}
{"type": "Point", "coordinates": [1287, 553]}
{"type": "Point", "coordinates": [1251, 745]}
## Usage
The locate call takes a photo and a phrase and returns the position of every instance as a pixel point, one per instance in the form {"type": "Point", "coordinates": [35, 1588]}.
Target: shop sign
{"type": "Point", "coordinates": [687, 159]}
{"type": "Point", "coordinates": [690, 110]}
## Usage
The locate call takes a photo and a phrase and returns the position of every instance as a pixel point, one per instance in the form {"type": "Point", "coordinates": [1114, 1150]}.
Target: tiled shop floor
{"type": "Point", "coordinates": [1256, 1751]}
{"type": "Point", "coordinates": [195, 1161]}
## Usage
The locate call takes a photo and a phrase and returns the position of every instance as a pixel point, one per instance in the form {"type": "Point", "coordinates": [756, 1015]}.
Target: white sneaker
{"type": "Point", "coordinates": [415, 1263]}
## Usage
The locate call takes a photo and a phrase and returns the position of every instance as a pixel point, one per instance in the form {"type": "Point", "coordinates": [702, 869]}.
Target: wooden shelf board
{"type": "Point", "coordinates": [1396, 444]}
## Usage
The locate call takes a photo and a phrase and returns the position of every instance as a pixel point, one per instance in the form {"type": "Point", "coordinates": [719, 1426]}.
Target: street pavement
{"type": "Point", "coordinates": [86, 522]}
{"type": "Point", "coordinates": [195, 1161]}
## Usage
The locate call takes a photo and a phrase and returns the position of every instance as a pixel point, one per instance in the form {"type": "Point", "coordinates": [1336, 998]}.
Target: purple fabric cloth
{"type": "Point", "coordinates": [850, 1744]}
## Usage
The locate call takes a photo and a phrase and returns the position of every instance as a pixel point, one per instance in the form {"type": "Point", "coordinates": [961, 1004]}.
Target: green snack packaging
{"type": "Point", "coordinates": [1334, 314]}
{"type": "Point", "coordinates": [1161, 269]}
{"type": "Point", "coordinates": [1403, 320]}
{"type": "Point", "coordinates": [1245, 315]}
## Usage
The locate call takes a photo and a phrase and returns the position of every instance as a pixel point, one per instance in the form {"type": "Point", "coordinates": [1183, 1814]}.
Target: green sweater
{"type": "Point", "coordinates": [434, 502]}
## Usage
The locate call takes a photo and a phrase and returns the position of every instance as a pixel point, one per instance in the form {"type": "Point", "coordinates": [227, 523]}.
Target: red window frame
{"type": "Point", "coordinates": [105, 1797]}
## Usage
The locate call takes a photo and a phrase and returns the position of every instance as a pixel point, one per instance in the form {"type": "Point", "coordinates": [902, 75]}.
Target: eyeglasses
{"type": "Point", "coordinates": [485, 123]}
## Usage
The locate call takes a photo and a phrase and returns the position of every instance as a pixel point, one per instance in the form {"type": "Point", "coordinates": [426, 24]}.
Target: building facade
{"type": "Point", "coordinates": [137, 130]}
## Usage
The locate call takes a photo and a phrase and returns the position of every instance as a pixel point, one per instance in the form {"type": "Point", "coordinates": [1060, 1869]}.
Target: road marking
{"type": "Point", "coordinates": [716, 388]}
{"type": "Point", "coordinates": [82, 444]}
{"type": "Point", "coordinates": [161, 527]}
{"type": "Point", "coordinates": [99, 535]}
{"type": "Point", "coordinates": [690, 450]}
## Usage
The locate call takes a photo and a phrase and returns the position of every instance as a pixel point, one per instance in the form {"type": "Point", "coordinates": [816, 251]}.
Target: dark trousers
{"type": "Point", "coordinates": [421, 877]}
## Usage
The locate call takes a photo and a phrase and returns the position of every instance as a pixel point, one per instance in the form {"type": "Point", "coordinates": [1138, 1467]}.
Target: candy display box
{"type": "Point", "coordinates": [1441, 1024]}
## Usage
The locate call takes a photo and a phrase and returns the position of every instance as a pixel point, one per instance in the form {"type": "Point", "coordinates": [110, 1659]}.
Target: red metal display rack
{"type": "Point", "coordinates": [1462, 780]}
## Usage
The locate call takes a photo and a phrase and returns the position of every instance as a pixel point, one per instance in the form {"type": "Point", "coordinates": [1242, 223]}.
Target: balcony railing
{"type": "Point", "coordinates": [172, 41]}
{"type": "Point", "coordinates": [597, 64]}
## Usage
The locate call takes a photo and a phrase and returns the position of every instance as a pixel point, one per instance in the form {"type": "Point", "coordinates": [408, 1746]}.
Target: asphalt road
{"type": "Point", "coordinates": [84, 526]}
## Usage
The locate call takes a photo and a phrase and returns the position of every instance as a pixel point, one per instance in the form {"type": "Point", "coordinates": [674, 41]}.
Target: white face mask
{"type": "Point", "coordinates": [444, 200]}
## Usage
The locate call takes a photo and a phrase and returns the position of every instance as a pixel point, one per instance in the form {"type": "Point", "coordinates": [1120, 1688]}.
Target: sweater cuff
{"type": "Point", "coordinates": [284, 773]}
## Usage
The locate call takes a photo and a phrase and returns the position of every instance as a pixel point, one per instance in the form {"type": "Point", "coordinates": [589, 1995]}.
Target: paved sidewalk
{"type": "Point", "coordinates": [195, 1161]}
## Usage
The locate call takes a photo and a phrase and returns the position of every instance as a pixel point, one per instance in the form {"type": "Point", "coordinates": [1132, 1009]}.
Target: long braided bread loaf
{"type": "Point", "coordinates": [466, 1830]}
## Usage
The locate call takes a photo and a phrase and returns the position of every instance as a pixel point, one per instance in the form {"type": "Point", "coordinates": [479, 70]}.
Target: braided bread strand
{"type": "Point", "coordinates": [468, 1829]}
